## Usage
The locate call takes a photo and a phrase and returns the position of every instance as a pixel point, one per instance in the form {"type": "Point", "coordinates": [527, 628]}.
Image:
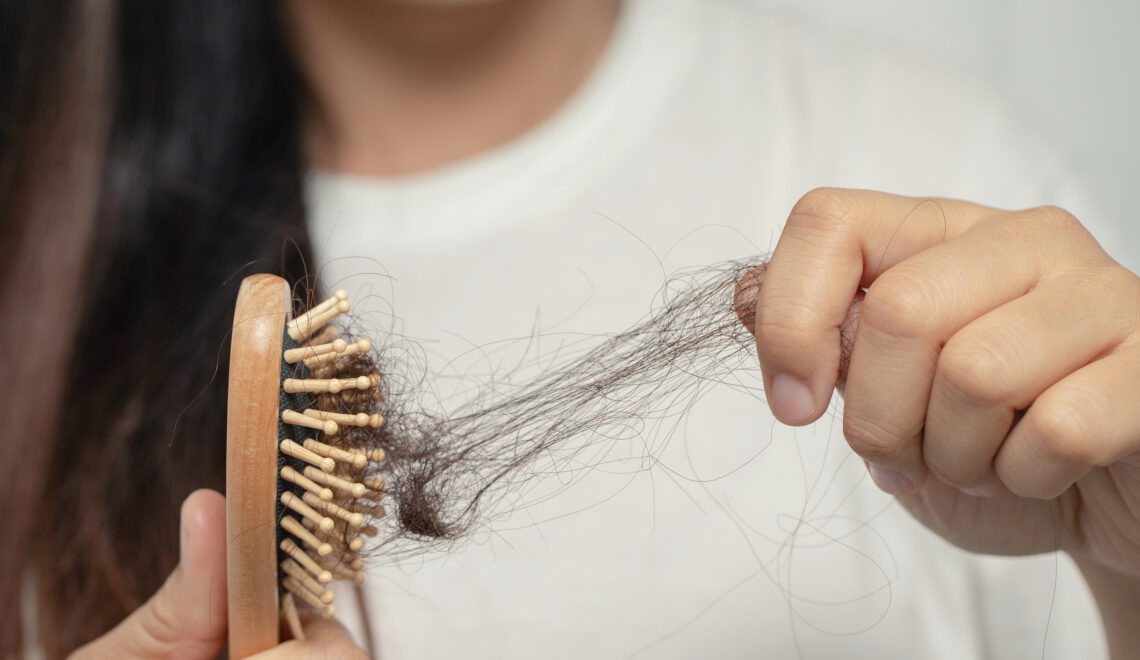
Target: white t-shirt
{"type": "Point", "coordinates": [701, 126]}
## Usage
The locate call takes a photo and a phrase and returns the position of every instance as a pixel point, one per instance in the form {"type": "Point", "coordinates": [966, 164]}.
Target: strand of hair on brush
{"type": "Point", "coordinates": [329, 390]}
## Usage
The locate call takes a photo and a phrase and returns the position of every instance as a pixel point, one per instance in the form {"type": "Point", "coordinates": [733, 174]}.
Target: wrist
{"type": "Point", "coordinates": [1117, 596]}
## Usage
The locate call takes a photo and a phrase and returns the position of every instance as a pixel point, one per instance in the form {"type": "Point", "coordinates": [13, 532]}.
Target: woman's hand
{"type": "Point", "coordinates": [186, 618]}
{"type": "Point", "coordinates": [994, 375]}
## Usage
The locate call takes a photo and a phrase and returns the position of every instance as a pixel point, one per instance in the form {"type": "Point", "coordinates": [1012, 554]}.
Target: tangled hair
{"type": "Point", "coordinates": [446, 474]}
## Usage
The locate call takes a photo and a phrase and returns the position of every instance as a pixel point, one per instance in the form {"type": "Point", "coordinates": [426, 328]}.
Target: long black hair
{"type": "Point", "coordinates": [191, 117]}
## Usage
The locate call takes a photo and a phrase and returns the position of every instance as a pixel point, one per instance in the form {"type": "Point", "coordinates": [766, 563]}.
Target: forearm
{"type": "Point", "coordinates": [1118, 598]}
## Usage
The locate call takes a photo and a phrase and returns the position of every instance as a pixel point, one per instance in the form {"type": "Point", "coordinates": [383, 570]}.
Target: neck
{"type": "Point", "coordinates": [399, 88]}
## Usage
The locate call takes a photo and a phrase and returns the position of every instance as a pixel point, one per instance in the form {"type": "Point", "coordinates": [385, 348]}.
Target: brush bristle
{"type": "Point", "coordinates": [330, 484]}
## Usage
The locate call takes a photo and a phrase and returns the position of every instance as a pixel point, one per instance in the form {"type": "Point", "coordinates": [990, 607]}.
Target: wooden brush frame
{"type": "Point", "coordinates": [263, 308]}
{"type": "Point", "coordinates": [295, 482]}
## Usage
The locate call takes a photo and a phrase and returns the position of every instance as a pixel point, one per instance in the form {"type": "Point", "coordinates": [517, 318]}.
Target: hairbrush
{"type": "Point", "coordinates": [303, 469]}
{"type": "Point", "coordinates": [306, 468]}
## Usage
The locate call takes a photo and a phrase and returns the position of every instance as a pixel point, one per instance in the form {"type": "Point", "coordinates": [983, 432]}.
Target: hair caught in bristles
{"type": "Point", "coordinates": [443, 474]}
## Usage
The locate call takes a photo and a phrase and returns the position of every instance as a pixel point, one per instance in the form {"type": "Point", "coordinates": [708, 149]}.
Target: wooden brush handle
{"type": "Point", "coordinates": [263, 307]}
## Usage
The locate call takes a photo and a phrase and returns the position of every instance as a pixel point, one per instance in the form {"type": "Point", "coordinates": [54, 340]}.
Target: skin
{"type": "Point", "coordinates": [186, 618]}
{"type": "Point", "coordinates": [399, 88]}
{"type": "Point", "coordinates": [992, 390]}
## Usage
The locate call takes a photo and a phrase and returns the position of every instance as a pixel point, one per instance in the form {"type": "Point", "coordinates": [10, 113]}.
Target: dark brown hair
{"type": "Point", "coordinates": [449, 473]}
{"type": "Point", "coordinates": [149, 157]}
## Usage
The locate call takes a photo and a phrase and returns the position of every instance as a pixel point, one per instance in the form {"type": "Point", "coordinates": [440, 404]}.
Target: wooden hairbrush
{"type": "Point", "coordinates": [303, 470]}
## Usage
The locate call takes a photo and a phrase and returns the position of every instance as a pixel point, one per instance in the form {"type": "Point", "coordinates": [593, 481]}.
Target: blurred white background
{"type": "Point", "coordinates": [1072, 69]}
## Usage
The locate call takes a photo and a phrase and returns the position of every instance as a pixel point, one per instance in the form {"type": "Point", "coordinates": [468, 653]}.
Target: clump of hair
{"type": "Point", "coordinates": [444, 474]}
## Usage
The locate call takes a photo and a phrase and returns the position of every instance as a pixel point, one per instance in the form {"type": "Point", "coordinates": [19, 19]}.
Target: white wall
{"type": "Point", "coordinates": [1071, 68]}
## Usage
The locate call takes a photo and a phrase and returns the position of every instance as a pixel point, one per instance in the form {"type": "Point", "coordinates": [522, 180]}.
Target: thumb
{"type": "Point", "coordinates": [186, 617]}
{"type": "Point", "coordinates": [744, 304]}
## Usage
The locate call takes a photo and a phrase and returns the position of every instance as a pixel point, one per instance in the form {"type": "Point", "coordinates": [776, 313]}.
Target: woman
{"type": "Point", "coordinates": [470, 147]}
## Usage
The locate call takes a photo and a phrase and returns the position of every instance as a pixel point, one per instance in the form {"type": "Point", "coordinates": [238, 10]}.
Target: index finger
{"type": "Point", "coordinates": [835, 241]}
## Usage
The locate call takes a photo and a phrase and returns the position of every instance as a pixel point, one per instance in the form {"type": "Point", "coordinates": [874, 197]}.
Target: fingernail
{"type": "Point", "coordinates": [889, 481]}
{"type": "Point", "coordinates": [792, 401]}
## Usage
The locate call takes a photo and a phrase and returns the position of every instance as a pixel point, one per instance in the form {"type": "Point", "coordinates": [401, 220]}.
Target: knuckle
{"type": "Point", "coordinates": [1109, 281]}
{"type": "Point", "coordinates": [1125, 286]}
{"type": "Point", "coordinates": [1057, 217]}
{"type": "Point", "coordinates": [1063, 433]}
{"type": "Point", "coordinates": [952, 472]}
{"type": "Point", "coordinates": [826, 208]}
{"type": "Point", "coordinates": [975, 371]}
{"type": "Point", "coordinates": [785, 323]}
{"type": "Point", "coordinates": [1119, 290]}
{"type": "Point", "coordinates": [158, 622]}
{"type": "Point", "coordinates": [1027, 479]}
{"type": "Point", "coordinates": [899, 305]}
{"type": "Point", "coordinates": [1114, 288]}
{"type": "Point", "coordinates": [1057, 233]}
{"type": "Point", "coordinates": [1027, 487]}
{"type": "Point", "coordinates": [873, 440]}
{"type": "Point", "coordinates": [1124, 282]}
